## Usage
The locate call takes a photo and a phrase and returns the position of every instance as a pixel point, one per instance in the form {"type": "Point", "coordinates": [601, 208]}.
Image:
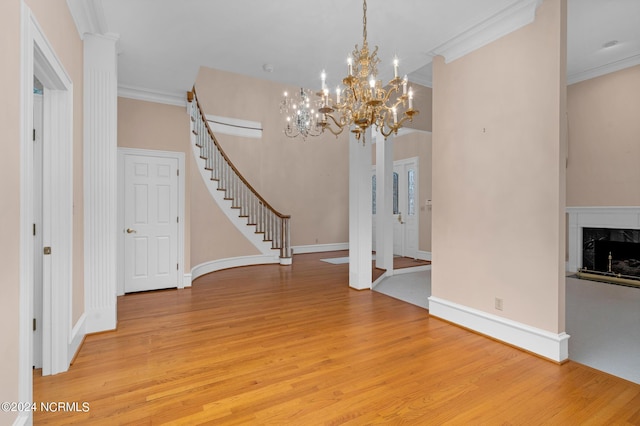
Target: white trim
{"type": "Point", "coordinates": [515, 16]}
{"type": "Point", "coordinates": [232, 262]}
{"type": "Point", "coordinates": [234, 126]}
{"type": "Point", "coordinates": [264, 247]}
{"type": "Point", "coordinates": [319, 248]}
{"type": "Point", "coordinates": [152, 95]}
{"type": "Point", "coordinates": [286, 260]}
{"type": "Point", "coordinates": [24, 418]}
{"type": "Point", "coordinates": [424, 255]}
{"type": "Point", "coordinates": [88, 16]}
{"type": "Point", "coordinates": [411, 269]}
{"type": "Point", "coordinates": [187, 280]}
{"type": "Point", "coordinates": [553, 346]}
{"type": "Point", "coordinates": [77, 335]}
{"type": "Point", "coordinates": [595, 217]}
{"type": "Point", "coordinates": [360, 218]}
{"type": "Point", "coordinates": [603, 69]}
{"type": "Point", "coordinates": [100, 180]}
{"type": "Point", "coordinates": [381, 278]}
{"type": "Point", "coordinates": [180, 157]}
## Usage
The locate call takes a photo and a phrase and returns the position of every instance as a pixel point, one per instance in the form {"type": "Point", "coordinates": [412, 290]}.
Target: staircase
{"type": "Point", "coordinates": [270, 226]}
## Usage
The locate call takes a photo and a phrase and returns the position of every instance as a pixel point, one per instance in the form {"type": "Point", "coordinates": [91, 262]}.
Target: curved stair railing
{"type": "Point", "coordinates": [273, 225]}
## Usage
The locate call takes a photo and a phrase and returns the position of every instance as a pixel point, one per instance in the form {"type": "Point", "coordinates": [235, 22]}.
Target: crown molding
{"type": "Point", "coordinates": [503, 22]}
{"type": "Point", "coordinates": [149, 95]}
{"type": "Point", "coordinates": [88, 16]}
{"type": "Point", "coordinates": [426, 82]}
{"type": "Point", "coordinates": [577, 77]}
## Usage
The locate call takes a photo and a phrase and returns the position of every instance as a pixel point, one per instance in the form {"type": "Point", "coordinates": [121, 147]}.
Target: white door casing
{"type": "Point", "coordinates": [37, 231]}
{"type": "Point", "coordinates": [405, 209]}
{"type": "Point", "coordinates": [151, 192]}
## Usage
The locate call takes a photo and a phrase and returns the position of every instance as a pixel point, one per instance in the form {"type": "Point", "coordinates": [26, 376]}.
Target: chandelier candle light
{"type": "Point", "coordinates": [364, 102]}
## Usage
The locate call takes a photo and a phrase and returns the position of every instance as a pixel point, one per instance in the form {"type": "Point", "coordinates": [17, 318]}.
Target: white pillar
{"type": "Point", "coordinates": [100, 181]}
{"type": "Point", "coordinates": [384, 204]}
{"type": "Point", "coordinates": [360, 212]}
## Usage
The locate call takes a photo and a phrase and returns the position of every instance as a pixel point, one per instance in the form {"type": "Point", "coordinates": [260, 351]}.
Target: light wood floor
{"type": "Point", "coordinates": [294, 345]}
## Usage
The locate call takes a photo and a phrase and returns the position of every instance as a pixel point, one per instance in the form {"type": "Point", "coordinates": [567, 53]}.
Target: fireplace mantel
{"type": "Point", "coordinates": [595, 217]}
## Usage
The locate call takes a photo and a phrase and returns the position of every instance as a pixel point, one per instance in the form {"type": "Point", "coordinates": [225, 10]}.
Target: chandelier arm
{"type": "Point", "coordinates": [336, 122]}
{"type": "Point", "coordinates": [328, 127]}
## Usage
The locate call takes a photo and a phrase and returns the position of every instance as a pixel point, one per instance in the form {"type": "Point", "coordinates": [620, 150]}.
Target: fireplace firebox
{"type": "Point", "coordinates": [611, 254]}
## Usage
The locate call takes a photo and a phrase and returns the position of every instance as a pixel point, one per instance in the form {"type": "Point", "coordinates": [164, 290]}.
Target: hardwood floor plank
{"type": "Point", "coordinates": [294, 345]}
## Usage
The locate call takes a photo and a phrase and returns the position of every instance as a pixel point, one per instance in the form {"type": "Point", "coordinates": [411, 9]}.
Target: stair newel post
{"type": "Point", "coordinates": [285, 251]}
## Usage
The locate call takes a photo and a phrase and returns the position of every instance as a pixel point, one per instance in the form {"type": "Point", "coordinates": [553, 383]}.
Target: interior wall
{"type": "Point", "coordinates": [58, 25]}
{"type": "Point", "coordinates": [10, 206]}
{"type": "Point", "coordinates": [150, 125]}
{"type": "Point", "coordinates": [423, 102]}
{"type": "Point", "coordinates": [305, 179]}
{"type": "Point", "coordinates": [499, 174]}
{"type": "Point", "coordinates": [604, 140]}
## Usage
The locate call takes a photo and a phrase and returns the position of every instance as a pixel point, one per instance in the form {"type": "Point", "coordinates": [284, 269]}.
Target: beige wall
{"type": "Point", "coordinates": [423, 102]}
{"type": "Point", "coordinates": [604, 140]}
{"type": "Point", "coordinates": [305, 179]}
{"type": "Point", "coordinates": [10, 206]}
{"type": "Point", "coordinates": [498, 174]}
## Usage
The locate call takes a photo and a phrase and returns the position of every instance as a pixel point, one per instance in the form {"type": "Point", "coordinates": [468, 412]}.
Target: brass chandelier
{"type": "Point", "coordinates": [363, 102]}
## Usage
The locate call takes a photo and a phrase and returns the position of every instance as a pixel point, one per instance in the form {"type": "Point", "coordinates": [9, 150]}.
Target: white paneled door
{"type": "Point", "coordinates": [150, 223]}
{"type": "Point", "coordinates": [405, 204]}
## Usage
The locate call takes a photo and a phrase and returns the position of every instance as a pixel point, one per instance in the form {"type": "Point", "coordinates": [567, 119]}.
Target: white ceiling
{"type": "Point", "coordinates": [162, 43]}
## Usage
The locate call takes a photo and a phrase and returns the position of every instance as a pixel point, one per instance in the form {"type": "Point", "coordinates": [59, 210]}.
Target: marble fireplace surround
{"type": "Point", "coordinates": [595, 217]}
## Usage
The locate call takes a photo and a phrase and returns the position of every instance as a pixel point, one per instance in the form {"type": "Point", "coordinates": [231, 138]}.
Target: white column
{"type": "Point", "coordinates": [100, 180]}
{"type": "Point", "coordinates": [384, 205]}
{"type": "Point", "coordinates": [360, 212]}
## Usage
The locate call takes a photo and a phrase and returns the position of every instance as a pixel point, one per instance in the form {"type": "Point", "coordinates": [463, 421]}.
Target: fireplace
{"type": "Point", "coordinates": [604, 243]}
{"type": "Point", "coordinates": [614, 251]}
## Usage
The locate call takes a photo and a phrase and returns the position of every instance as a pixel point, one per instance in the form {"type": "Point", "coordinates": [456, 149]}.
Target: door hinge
{"type": "Point", "coordinates": [177, 172]}
{"type": "Point", "coordinates": [34, 324]}
{"type": "Point", "coordinates": [34, 135]}
{"type": "Point", "coordinates": [177, 266]}
{"type": "Point", "coordinates": [34, 229]}
{"type": "Point", "coordinates": [178, 219]}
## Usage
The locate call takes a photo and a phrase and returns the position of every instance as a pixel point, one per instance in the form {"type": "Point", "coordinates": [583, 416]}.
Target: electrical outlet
{"type": "Point", "coordinates": [498, 303]}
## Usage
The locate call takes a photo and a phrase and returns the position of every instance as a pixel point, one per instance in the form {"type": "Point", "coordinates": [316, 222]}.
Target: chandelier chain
{"type": "Point", "coordinates": [364, 20]}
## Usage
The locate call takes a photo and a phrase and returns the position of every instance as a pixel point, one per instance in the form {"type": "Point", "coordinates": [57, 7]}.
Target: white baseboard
{"type": "Point", "coordinates": [379, 279]}
{"type": "Point", "coordinates": [23, 419]}
{"type": "Point", "coordinates": [100, 319]}
{"type": "Point", "coordinates": [411, 269]}
{"type": "Point", "coordinates": [231, 262]}
{"type": "Point", "coordinates": [541, 342]}
{"type": "Point", "coordinates": [186, 280]}
{"type": "Point", "coordinates": [424, 255]}
{"type": "Point", "coordinates": [317, 248]}
{"type": "Point", "coordinates": [77, 335]}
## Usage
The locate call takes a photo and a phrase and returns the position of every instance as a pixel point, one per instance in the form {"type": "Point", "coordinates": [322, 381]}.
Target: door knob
{"type": "Point", "coordinates": [400, 218]}
{"type": "Point", "coordinates": [131, 231]}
